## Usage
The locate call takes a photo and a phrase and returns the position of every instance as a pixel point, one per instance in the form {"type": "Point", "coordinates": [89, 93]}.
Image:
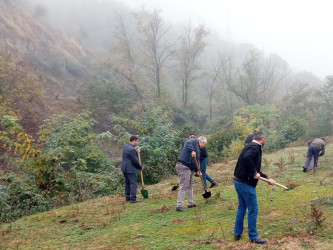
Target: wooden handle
{"type": "Point", "coordinates": [203, 184]}
{"type": "Point", "coordinates": [277, 184]}
{"type": "Point", "coordinates": [141, 170]}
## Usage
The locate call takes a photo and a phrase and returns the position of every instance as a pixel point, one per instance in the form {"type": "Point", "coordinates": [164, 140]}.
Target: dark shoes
{"type": "Point", "coordinates": [304, 169]}
{"type": "Point", "coordinates": [258, 240]}
{"type": "Point", "coordinates": [181, 209]}
{"type": "Point", "coordinates": [193, 205]}
{"type": "Point", "coordinates": [136, 201]}
{"type": "Point", "coordinates": [213, 185]}
{"type": "Point", "coordinates": [237, 237]}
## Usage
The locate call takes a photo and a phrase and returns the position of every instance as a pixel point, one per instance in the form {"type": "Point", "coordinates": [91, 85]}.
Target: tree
{"type": "Point", "coordinates": [123, 59]}
{"type": "Point", "coordinates": [257, 79]}
{"type": "Point", "coordinates": [156, 48]}
{"type": "Point", "coordinates": [192, 44]}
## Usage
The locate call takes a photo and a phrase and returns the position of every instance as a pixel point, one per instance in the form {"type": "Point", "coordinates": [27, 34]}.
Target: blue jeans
{"type": "Point", "coordinates": [312, 151]}
{"type": "Point", "coordinates": [247, 199]}
{"type": "Point", "coordinates": [203, 166]}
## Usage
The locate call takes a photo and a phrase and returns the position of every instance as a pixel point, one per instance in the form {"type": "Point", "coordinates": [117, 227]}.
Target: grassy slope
{"type": "Point", "coordinates": [109, 222]}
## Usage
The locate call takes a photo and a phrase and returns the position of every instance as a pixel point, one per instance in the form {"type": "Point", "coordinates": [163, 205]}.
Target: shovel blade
{"type": "Point", "coordinates": [144, 193]}
{"type": "Point", "coordinates": [207, 194]}
{"type": "Point", "coordinates": [174, 188]}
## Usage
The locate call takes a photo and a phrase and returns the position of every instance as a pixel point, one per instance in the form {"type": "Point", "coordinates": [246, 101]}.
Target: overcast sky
{"type": "Point", "coordinates": [300, 31]}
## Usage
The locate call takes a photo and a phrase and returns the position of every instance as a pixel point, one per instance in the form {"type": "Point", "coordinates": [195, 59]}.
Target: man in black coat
{"type": "Point", "coordinates": [246, 175]}
{"type": "Point", "coordinates": [130, 167]}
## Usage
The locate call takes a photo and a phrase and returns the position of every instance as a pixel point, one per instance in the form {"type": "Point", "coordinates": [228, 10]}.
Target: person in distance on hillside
{"type": "Point", "coordinates": [185, 168]}
{"type": "Point", "coordinates": [130, 167]}
{"type": "Point", "coordinates": [316, 148]}
{"type": "Point", "coordinates": [246, 175]}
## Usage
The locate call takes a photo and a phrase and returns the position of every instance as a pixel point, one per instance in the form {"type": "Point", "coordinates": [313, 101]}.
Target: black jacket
{"type": "Point", "coordinates": [203, 153]}
{"type": "Point", "coordinates": [248, 139]}
{"type": "Point", "coordinates": [130, 163]}
{"type": "Point", "coordinates": [249, 164]}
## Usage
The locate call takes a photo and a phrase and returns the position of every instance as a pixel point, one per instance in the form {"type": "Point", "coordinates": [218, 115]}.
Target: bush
{"type": "Point", "coordinates": [159, 141]}
{"type": "Point", "coordinates": [290, 131]}
{"type": "Point", "coordinates": [67, 166]}
{"type": "Point", "coordinates": [219, 143]}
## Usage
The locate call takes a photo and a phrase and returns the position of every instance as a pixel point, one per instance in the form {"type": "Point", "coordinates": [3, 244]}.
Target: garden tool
{"type": "Point", "coordinates": [207, 193]}
{"type": "Point", "coordinates": [174, 188]}
{"type": "Point", "coordinates": [277, 184]}
{"type": "Point", "coordinates": [143, 191]}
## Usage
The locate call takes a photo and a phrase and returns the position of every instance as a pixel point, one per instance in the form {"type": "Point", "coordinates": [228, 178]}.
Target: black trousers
{"type": "Point", "coordinates": [130, 186]}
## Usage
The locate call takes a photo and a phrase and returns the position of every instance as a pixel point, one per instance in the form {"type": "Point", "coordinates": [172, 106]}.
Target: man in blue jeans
{"type": "Point", "coordinates": [246, 175]}
{"type": "Point", "coordinates": [316, 149]}
{"type": "Point", "coordinates": [203, 165]}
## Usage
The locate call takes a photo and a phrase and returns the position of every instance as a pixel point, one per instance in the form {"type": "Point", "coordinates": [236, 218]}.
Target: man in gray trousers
{"type": "Point", "coordinates": [185, 168]}
{"type": "Point", "coordinates": [130, 167]}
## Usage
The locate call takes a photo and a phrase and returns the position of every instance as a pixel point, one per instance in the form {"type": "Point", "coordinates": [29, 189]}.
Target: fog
{"type": "Point", "coordinates": [299, 31]}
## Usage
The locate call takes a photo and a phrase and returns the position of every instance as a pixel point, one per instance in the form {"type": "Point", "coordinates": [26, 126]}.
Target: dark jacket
{"type": "Point", "coordinates": [249, 164]}
{"type": "Point", "coordinates": [130, 163]}
{"type": "Point", "coordinates": [203, 153]}
{"type": "Point", "coordinates": [185, 156]}
{"type": "Point", "coordinates": [248, 140]}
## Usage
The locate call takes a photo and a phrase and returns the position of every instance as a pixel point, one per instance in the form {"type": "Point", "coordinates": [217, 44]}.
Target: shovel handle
{"type": "Point", "coordinates": [141, 170]}
{"type": "Point", "coordinates": [277, 184]}
{"type": "Point", "coordinates": [203, 184]}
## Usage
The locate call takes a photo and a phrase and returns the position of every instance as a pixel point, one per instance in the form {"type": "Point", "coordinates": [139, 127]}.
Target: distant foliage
{"type": "Point", "coordinates": [67, 165]}
{"type": "Point", "coordinates": [219, 143]}
{"type": "Point", "coordinates": [158, 141]}
{"type": "Point", "coordinates": [290, 131]}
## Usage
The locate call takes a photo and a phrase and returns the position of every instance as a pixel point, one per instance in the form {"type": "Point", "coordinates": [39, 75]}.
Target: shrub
{"type": "Point", "coordinates": [159, 141]}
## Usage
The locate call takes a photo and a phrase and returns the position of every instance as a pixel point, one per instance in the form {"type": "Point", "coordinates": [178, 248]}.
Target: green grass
{"type": "Point", "coordinates": [284, 216]}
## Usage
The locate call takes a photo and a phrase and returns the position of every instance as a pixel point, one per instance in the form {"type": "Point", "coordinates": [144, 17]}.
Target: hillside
{"type": "Point", "coordinates": [284, 219]}
{"type": "Point", "coordinates": [57, 57]}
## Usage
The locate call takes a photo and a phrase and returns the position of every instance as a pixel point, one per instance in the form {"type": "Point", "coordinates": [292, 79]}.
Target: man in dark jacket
{"type": "Point", "coordinates": [246, 175]}
{"type": "Point", "coordinates": [316, 149]}
{"type": "Point", "coordinates": [130, 167]}
{"type": "Point", "coordinates": [185, 168]}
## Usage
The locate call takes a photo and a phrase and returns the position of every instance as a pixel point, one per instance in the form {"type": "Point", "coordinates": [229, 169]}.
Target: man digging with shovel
{"type": "Point", "coordinates": [185, 168]}
{"type": "Point", "coordinates": [246, 175]}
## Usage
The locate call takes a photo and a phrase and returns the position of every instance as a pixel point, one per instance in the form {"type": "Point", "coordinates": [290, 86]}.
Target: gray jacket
{"type": "Point", "coordinates": [320, 144]}
{"type": "Point", "coordinates": [130, 163]}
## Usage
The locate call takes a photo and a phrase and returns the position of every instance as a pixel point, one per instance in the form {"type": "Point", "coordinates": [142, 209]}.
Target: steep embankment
{"type": "Point", "coordinates": [55, 61]}
{"type": "Point", "coordinates": [58, 58]}
{"type": "Point", "coordinates": [285, 217]}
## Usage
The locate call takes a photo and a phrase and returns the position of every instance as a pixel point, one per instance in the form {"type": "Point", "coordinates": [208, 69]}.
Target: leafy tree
{"type": "Point", "coordinates": [191, 47]}
{"type": "Point", "coordinates": [159, 141]}
{"type": "Point", "coordinates": [123, 58]}
{"type": "Point", "coordinates": [155, 47]}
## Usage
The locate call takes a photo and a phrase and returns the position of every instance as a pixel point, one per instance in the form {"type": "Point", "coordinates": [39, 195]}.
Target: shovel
{"type": "Point", "coordinates": [277, 184]}
{"type": "Point", "coordinates": [174, 188]}
{"type": "Point", "coordinates": [207, 193]}
{"type": "Point", "coordinates": [143, 191]}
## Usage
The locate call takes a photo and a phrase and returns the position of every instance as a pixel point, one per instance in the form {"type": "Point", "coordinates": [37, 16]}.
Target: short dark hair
{"type": "Point", "coordinates": [134, 138]}
{"type": "Point", "coordinates": [258, 135]}
{"type": "Point", "coordinates": [192, 135]}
